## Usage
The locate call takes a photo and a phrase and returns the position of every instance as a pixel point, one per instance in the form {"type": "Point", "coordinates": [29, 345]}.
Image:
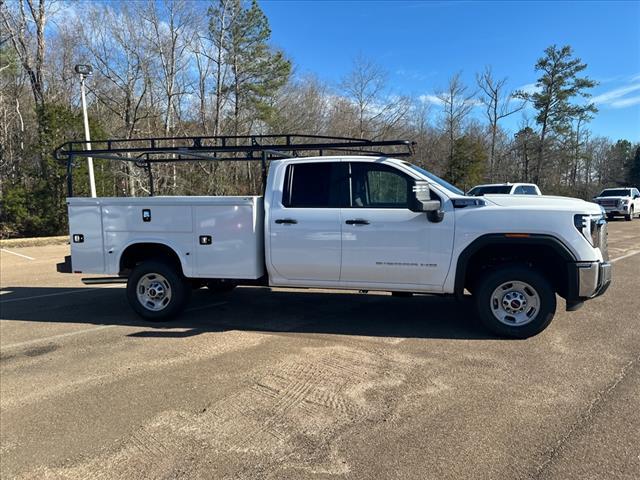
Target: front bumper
{"type": "Point", "coordinates": [587, 280]}
{"type": "Point", "coordinates": [593, 278]}
{"type": "Point", "coordinates": [617, 210]}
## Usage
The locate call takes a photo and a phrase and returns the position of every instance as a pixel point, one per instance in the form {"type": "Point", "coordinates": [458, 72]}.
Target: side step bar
{"type": "Point", "coordinates": [103, 280]}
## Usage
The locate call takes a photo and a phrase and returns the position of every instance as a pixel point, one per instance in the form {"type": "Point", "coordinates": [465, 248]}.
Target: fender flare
{"type": "Point", "coordinates": [185, 268]}
{"type": "Point", "coordinates": [505, 239]}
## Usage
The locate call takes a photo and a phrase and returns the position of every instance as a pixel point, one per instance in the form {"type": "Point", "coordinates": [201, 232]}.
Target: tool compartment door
{"type": "Point", "coordinates": [229, 240]}
{"type": "Point", "coordinates": [85, 238]}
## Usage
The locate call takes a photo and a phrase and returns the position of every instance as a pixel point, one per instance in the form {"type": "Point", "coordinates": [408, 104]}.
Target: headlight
{"type": "Point", "coordinates": [587, 225]}
{"type": "Point", "coordinates": [583, 224]}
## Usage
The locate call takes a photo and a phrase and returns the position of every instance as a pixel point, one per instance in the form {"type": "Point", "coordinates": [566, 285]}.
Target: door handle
{"type": "Point", "coordinates": [357, 221]}
{"type": "Point", "coordinates": [289, 221]}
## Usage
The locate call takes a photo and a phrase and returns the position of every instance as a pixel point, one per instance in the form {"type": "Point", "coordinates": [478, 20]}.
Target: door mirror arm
{"type": "Point", "coordinates": [435, 216]}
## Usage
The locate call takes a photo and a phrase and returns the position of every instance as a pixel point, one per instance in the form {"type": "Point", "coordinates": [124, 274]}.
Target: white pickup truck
{"type": "Point", "coordinates": [350, 222]}
{"type": "Point", "coordinates": [619, 201]}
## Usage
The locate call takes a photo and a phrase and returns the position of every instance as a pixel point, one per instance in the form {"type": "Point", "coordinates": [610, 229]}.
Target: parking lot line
{"type": "Point", "coordinates": [630, 254]}
{"type": "Point", "coordinates": [88, 330]}
{"type": "Point", "coordinates": [81, 290]}
{"type": "Point", "coordinates": [55, 337]}
{"type": "Point", "coordinates": [17, 254]}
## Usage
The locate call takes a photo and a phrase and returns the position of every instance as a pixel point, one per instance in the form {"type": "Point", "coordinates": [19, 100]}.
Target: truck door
{"type": "Point", "coordinates": [85, 230]}
{"type": "Point", "coordinates": [382, 240]}
{"type": "Point", "coordinates": [304, 224]}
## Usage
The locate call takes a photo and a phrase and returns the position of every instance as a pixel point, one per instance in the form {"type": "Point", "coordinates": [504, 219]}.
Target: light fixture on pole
{"type": "Point", "coordinates": [85, 71]}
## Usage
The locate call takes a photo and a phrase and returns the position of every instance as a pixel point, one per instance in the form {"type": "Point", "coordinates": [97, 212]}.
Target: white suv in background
{"type": "Point", "coordinates": [505, 188]}
{"type": "Point", "coordinates": [619, 201]}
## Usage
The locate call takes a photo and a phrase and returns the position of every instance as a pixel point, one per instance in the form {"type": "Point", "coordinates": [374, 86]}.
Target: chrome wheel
{"type": "Point", "coordinates": [515, 303]}
{"type": "Point", "coordinates": [154, 292]}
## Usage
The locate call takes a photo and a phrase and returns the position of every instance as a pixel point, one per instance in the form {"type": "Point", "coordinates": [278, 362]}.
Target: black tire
{"type": "Point", "coordinates": [221, 286]}
{"type": "Point", "coordinates": [629, 217]}
{"type": "Point", "coordinates": [541, 316]}
{"type": "Point", "coordinates": [172, 281]}
{"type": "Point", "coordinates": [610, 216]}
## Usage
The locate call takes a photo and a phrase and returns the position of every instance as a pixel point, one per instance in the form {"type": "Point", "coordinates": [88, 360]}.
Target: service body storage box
{"type": "Point", "coordinates": [214, 237]}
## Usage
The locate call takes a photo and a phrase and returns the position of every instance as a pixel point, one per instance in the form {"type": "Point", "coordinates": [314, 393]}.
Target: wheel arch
{"type": "Point", "coordinates": [139, 251]}
{"type": "Point", "coordinates": [550, 254]}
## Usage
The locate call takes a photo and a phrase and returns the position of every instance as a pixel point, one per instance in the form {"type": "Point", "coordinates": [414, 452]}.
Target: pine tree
{"type": "Point", "coordinates": [257, 70]}
{"type": "Point", "coordinates": [633, 173]}
{"type": "Point", "coordinates": [468, 161]}
{"type": "Point", "coordinates": [557, 86]}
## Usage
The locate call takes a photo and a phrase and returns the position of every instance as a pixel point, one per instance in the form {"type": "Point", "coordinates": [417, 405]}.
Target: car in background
{"type": "Point", "coordinates": [505, 188]}
{"type": "Point", "coordinates": [623, 201]}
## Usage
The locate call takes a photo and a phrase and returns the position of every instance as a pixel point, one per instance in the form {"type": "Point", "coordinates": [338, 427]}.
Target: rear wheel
{"type": "Point", "coordinates": [156, 291]}
{"type": "Point", "coordinates": [515, 301]}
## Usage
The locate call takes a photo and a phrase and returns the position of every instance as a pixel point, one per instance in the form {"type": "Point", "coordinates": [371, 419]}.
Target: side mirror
{"type": "Point", "coordinates": [422, 202]}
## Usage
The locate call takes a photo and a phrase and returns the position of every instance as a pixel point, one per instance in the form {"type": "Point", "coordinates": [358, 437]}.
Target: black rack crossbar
{"type": "Point", "coordinates": [144, 152]}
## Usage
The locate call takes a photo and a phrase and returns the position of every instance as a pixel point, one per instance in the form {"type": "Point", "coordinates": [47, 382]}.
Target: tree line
{"type": "Point", "coordinates": [176, 68]}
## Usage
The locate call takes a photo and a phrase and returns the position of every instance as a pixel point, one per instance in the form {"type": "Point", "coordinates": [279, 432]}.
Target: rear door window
{"type": "Point", "coordinates": [315, 185]}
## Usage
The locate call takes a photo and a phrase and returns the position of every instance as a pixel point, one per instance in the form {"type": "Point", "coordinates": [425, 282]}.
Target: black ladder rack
{"type": "Point", "coordinates": [144, 152]}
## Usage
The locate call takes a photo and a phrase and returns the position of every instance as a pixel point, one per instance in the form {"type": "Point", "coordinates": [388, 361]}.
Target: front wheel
{"type": "Point", "coordinates": [156, 291]}
{"type": "Point", "coordinates": [629, 217]}
{"type": "Point", "coordinates": [515, 301]}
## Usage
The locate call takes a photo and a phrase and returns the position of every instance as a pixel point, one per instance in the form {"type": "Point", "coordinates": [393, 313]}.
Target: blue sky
{"type": "Point", "coordinates": [421, 44]}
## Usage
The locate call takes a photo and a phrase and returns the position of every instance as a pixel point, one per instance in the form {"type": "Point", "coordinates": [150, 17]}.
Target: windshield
{"type": "Point", "coordinates": [435, 178]}
{"type": "Point", "coordinates": [479, 191]}
{"type": "Point", "coordinates": [615, 192]}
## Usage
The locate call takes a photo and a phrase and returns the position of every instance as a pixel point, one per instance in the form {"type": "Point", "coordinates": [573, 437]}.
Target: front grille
{"type": "Point", "coordinates": [608, 203]}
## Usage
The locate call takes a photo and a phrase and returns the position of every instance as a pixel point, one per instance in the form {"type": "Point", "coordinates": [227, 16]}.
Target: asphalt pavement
{"type": "Point", "coordinates": [289, 384]}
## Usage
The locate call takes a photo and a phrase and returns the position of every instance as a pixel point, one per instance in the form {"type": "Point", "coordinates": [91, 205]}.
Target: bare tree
{"type": "Point", "coordinates": [378, 112]}
{"type": "Point", "coordinates": [303, 106]}
{"type": "Point", "coordinates": [198, 47]}
{"type": "Point", "coordinates": [168, 40]}
{"type": "Point", "coordinates": [498, 105]}
{"type": "Point", "coordinates": [25, 24]}
{"type": "Point", "coordinates": [456, 105]}
{"type": "Point", "coordinates": [221, 18]}
{"type": "Point", "coordinates": [114, 45]}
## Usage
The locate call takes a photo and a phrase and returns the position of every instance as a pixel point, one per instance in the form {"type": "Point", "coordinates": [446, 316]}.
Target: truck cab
{"type": "Point", "coordinates": [330, 222]}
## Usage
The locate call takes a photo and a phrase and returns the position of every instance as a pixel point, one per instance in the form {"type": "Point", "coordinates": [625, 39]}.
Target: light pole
{"type": "Point", "coordinates": [85, 71]}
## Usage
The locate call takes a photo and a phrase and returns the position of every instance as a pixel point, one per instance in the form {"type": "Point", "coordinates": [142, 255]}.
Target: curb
{"type": "Point", "coordinates": [34, 242]}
